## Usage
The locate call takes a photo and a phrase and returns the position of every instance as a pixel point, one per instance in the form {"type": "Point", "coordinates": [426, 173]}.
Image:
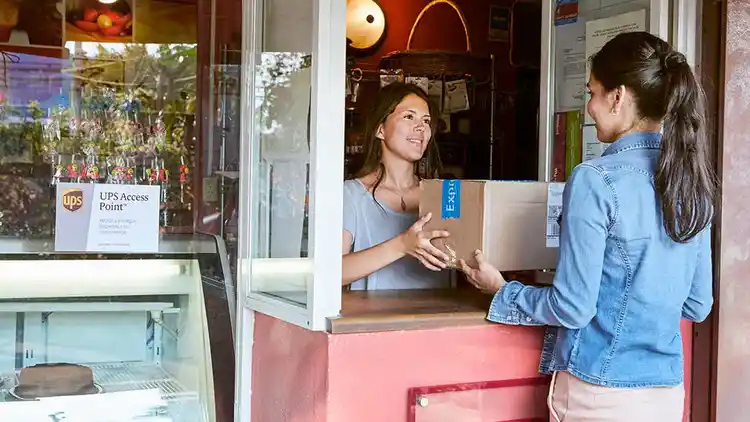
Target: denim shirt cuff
{"type": "Point", "coordinates": [503, 308]}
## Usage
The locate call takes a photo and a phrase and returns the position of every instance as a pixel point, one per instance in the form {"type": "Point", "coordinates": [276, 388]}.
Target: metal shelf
{"type": "Point", "coordinates": [129, 376]}
{"type": "Point", "coordinates": [182, 405]}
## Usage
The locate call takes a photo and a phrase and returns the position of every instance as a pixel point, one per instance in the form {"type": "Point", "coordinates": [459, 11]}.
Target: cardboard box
{"type": "Point", "coordinates": [515, 224]}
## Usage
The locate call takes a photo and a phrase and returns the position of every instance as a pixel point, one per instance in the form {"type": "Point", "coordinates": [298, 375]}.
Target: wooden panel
{"type": "Point", "coordinates": [388, 310]}
{"type": "Point", "coordinates": [385, 310]}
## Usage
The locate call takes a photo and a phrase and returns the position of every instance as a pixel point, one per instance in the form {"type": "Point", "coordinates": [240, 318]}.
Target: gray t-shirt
{"type": "Point", "coordinates": [370, 224]}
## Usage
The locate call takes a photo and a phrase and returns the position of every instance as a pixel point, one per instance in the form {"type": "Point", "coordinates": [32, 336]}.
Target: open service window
{"type": "Point", "coordinates": [573, 30]}
{"type": "Point", "coordinates": [293, 107]}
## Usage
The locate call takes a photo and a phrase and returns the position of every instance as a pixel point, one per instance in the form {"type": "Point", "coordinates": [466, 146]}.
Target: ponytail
{"type": "Point", "coordinates": [685, 180]}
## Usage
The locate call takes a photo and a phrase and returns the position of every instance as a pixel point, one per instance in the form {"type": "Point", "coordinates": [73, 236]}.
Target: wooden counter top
{"type": "Point", "coordinates": [388, 310]}
{"type": "Point", "coordinates": [393, 310]}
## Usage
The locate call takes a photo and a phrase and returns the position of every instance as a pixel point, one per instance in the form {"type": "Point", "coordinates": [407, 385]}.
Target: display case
{"type": "Point", "coordinates": [84, 336]}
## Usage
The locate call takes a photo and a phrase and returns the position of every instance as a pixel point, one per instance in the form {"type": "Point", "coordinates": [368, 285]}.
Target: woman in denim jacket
{"type": "Point", "coordinates": [635, 251]}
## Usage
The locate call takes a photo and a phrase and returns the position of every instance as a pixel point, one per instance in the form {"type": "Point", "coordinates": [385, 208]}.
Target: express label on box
{"type": "Point", "coordinates": [451, 203]}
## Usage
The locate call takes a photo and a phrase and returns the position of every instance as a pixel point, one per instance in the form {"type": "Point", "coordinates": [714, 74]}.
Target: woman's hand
{"type": "Point", "coordinates": [485, 277]}
{"type": "Point", "coordinates": [418, 243]}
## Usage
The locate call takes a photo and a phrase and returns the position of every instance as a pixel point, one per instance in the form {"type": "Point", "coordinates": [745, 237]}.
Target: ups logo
{"type": "Point", "coordinates": [72, 199]}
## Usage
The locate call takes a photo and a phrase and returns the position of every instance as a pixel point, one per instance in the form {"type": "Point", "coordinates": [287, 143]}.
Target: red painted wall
{"type": "Point", "coordinates": [441, 29]}
{"type": "Point", "coordinates": [304, 376]}
{"type": "Point", "coordinates": [370, 374]}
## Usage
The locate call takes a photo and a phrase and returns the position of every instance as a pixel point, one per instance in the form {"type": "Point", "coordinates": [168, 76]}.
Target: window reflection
{"type": "Point", "coordinates": [282, 102]}
{"type": "Point", "coordinates": [112, 113]}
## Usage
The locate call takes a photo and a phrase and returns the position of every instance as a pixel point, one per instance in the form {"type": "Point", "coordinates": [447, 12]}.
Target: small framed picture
{"type": "Point", "coordinates": [499, 24]}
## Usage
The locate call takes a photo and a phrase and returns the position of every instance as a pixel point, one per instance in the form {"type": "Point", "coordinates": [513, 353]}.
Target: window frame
{"type": "Point", "coordinates": [326, 163]}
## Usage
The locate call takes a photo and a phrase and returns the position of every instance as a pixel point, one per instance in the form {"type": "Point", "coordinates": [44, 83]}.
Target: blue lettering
{"type": "Point", "coordinates": [451, 200]}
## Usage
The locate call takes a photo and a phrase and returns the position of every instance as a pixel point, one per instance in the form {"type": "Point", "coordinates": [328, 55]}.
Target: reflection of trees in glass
{"type": "Point", "coordinates": [20, 130]}
{"type": "Point", "coordinates": [119, 101]}
{"type": "Point", "coordinates": [140, 101]}
{"type": "Point", "coordinates": [280, 87]}
{"type": "Point", "coordinates": [145, 83]}
{"type": "Point", "coordinates": [274, 71]}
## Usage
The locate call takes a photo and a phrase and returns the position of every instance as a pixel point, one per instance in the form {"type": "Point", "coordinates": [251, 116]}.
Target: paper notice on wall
{"type": "Point", "coordinates": [419, 81]}
{"type": "Point", "coordinates": [570, 66]}
{"type": "Point", "coordinates": [389, 78]}
{"type": "Point", "coordinates": [554, 213]}
{"type": "Point", "coordinates": [592, 148]}
{"type": "Point", "coordinates": [456, 96]}
{"type": "Point", "coordinates": [599, 31]}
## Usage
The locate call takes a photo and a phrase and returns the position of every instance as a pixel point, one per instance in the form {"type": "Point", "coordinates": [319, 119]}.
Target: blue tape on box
{"type": "Point", "coordinates": [450, 207]}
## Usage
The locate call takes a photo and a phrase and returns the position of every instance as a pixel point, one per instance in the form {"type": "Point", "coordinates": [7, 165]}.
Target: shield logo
{"type": "Point", "coordinates": [72, 199]}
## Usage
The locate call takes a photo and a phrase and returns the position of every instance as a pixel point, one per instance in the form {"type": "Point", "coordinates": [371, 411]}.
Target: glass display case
{"type": "Point", "coordinates": [131, 335]}
{"type": "Point", "coordinates": [98, 100]}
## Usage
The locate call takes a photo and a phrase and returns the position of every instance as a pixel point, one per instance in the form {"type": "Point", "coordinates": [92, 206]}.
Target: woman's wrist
{"type": "Point", "coordinates": [401, 244]}
{"type": "Point", "coordinates": [499, 282]}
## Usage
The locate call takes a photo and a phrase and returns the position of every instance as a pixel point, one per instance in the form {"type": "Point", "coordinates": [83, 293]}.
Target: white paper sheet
{"type": "Point", "coordinates": [570, 66]}
{"type": "Point", "coordinates": [592, 148]}
{"type": "Point", "coordinates": [554, 209]}
{"type": "Point", "coordinates": [599, 31]}
{"type": "Point", "coordinates": [456, 96]}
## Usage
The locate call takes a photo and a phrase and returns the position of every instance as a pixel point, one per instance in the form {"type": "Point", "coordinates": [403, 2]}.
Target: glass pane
{"type": "Point", "coordinates": [282, 265]}
{"type": "Point", "coordinates": [122, 333]}
{"type": "Point", "coordinates": [581, 27]}
{"type": "Point", "coordinates": [105, 107]}
{"type": "Point", "coordinates": [510, 400]}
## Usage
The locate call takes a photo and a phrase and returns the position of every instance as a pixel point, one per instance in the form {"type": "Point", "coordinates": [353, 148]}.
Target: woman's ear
{"type": "Point", "coordinates": [380, 133]}
{"type": "Point", "coordinates": [619, 95]}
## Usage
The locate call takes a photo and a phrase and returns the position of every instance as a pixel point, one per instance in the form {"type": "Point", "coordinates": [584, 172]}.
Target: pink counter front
{"type": "Point", "coordinates": [367, 369]}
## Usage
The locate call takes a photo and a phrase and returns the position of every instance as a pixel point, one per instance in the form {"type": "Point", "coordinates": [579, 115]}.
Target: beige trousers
{"type": "Point", "coordinates": [573, 400]}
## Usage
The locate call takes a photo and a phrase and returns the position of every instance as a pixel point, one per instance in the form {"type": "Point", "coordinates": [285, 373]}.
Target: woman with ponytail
{"type": "Point", "coordinates": [635, 248]}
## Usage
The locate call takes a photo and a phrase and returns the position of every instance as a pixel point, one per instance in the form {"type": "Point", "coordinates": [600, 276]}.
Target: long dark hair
{"type": "Point", "coordinates": [665, 89]}
{"type": "Point", "coordinates": [388, 98]}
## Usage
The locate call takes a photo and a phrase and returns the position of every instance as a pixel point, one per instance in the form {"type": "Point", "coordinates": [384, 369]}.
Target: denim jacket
{"type": "Point", "coordinates": [622, 285]}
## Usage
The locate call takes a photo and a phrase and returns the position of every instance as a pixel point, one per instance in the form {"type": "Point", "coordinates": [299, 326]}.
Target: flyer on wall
{"type": "Point", "coordinates": [92, 217]}
{"type": "Point", "coordinates": [599, 31]}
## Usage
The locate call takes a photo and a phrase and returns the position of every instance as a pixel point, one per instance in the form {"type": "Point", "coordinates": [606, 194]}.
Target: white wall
{"type": "Point", "coordinates": [289, 25]}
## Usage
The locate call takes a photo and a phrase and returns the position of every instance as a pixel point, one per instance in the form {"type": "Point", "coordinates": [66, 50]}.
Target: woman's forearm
{"type": "Point", "coordinates": [357, 265]}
